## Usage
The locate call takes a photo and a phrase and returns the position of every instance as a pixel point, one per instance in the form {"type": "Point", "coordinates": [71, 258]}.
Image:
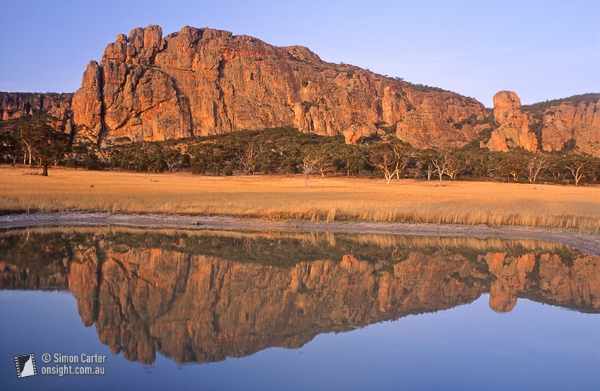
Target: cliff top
{"type": "Point", "coordinates": [574, 100]}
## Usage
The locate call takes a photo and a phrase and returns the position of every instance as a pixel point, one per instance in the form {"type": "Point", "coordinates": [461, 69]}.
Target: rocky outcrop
{"type": "Point", "coordinates": [200, 81]}
{"type": "Point", "coordinates": [514, 125]}
{"type": "Point", "coordinates": [17, 104]}
{"type": "Point", "coordinates": [572, 123]}
{"type": "Point", "coordinates": [575, 119]}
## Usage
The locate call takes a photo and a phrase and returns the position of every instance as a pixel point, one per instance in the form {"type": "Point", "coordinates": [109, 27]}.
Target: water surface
{"type": "Point", "coordinates": [235, 310]}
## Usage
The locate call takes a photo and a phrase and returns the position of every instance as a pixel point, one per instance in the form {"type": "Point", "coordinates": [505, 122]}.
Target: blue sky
{"type": "Point", "coordinates": [539, 49]}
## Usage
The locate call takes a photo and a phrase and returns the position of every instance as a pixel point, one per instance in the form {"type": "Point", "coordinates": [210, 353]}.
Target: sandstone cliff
{"type": "Point", "coordinates": [547, 126]}
{"type": "Point", "coordinates": [575, 119]}
{"type": "Point", "coordinates": [514, 125]}
{"type": "Point", "coordinates": [18, 104]}
{"type": "Point", "coordinates": [200, 81]}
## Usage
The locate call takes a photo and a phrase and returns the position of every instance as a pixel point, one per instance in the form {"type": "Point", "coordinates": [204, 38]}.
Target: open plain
{"type": "Point", "coordinates": [326, 200]}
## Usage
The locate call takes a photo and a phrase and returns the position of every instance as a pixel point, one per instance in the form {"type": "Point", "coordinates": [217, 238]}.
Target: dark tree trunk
{"type": "Point", "coordinates": [45, 169]}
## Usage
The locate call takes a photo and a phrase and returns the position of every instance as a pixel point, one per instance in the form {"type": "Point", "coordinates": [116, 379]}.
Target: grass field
{"type": "Point", "coordinates": [280, 197]}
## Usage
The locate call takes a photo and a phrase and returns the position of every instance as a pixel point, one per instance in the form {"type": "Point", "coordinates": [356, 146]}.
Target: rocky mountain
{"type": "Point", "coordinates": [199, 82]}
{"type": "Point", "coordinates": [547, 126]}
{"type": "Point", "coordinates": [575, 119]}
{"type": "Point", "coordinates": [202, 81]}
{"type": "Point", "coordinates": [17, 104]}
{"type": "Point", "coordinates": [514, 125]}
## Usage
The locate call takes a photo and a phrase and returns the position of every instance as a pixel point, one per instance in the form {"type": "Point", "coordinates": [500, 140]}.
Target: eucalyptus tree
{"type": "Point", "coordinates": [437, 161]}
{"type": "Point", "coordinates": [391, 158]}
{"type": "Point", "coordinates": [10, 146]}
{"type": "Point", "coordinates": [579, 166]}
{"type": "Point", "coordinates": [44, 140]}
{"type": "Point", "coordinates": [307, 166]}
{"type": "Point", "coordinates": [386, 161]}
{"type": "Point", "coordinates": [537, 164]}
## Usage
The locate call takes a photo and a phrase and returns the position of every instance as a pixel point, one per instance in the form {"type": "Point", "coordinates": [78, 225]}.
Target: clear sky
{"type": "Point", "coordinates": [539, 49]}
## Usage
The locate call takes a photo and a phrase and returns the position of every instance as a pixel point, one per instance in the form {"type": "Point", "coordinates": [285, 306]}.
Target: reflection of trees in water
{"type": "Point", "coordinates": [200, 296]}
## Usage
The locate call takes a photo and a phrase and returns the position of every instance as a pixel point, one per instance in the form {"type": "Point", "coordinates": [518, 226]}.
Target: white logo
{"type": "Point", "coordinates": [25, 364]}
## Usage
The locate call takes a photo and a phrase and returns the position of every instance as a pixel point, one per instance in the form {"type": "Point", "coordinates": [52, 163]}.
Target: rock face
{"type": "Point", "coordinates": [571, 120]}
{"type": "Point", "coordinates": [547, 126]}
{"type": "Point", "coordinates": [18, 104]}
{"type": "Point", "coordinates": [514, 125]}
{"type": "Point", "coordinates": [201, 81]}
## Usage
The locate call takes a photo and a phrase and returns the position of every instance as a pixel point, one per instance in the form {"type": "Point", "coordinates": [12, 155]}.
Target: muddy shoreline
{"type": "Point", "coordinates": [586, 242]}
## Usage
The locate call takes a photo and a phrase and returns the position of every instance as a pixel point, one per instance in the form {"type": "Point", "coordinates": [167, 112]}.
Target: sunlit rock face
{"type": "Point", "coordinates": [19, 104]}
{"type": "Point", "coordinates": [567, 121]}
{"type": "Point", "coordinates": [203, 81]}
{"type": "Point", "coordinates": [514, 125]}
{"type": "Point", "coordinates": [199, 82]}
{"type": "Point", "coordinates": [574, 120]}
{"type": "Point", "coordinates": [189, 302]}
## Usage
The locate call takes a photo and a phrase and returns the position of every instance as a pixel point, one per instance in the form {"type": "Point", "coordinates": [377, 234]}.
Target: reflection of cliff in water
{"type": "Point", "coordinates": [199, 296]}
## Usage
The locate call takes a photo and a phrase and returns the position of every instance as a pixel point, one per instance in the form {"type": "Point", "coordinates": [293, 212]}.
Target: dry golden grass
{"type": "Point", "coordinates": [326, 199]}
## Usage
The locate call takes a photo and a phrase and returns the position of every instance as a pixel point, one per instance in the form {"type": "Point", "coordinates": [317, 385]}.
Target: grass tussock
{"type": "Point", "coordinates": [324, 200]}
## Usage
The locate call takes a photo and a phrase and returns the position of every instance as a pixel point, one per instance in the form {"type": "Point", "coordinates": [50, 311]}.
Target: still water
{"type": "Point", "coordinates": [236, 310]}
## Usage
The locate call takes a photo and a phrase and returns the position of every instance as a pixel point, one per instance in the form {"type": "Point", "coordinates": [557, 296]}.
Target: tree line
{"type": "Point", "coordinates": [42, 140]}
{"type": "Point", "coordinates": [39, 139]}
